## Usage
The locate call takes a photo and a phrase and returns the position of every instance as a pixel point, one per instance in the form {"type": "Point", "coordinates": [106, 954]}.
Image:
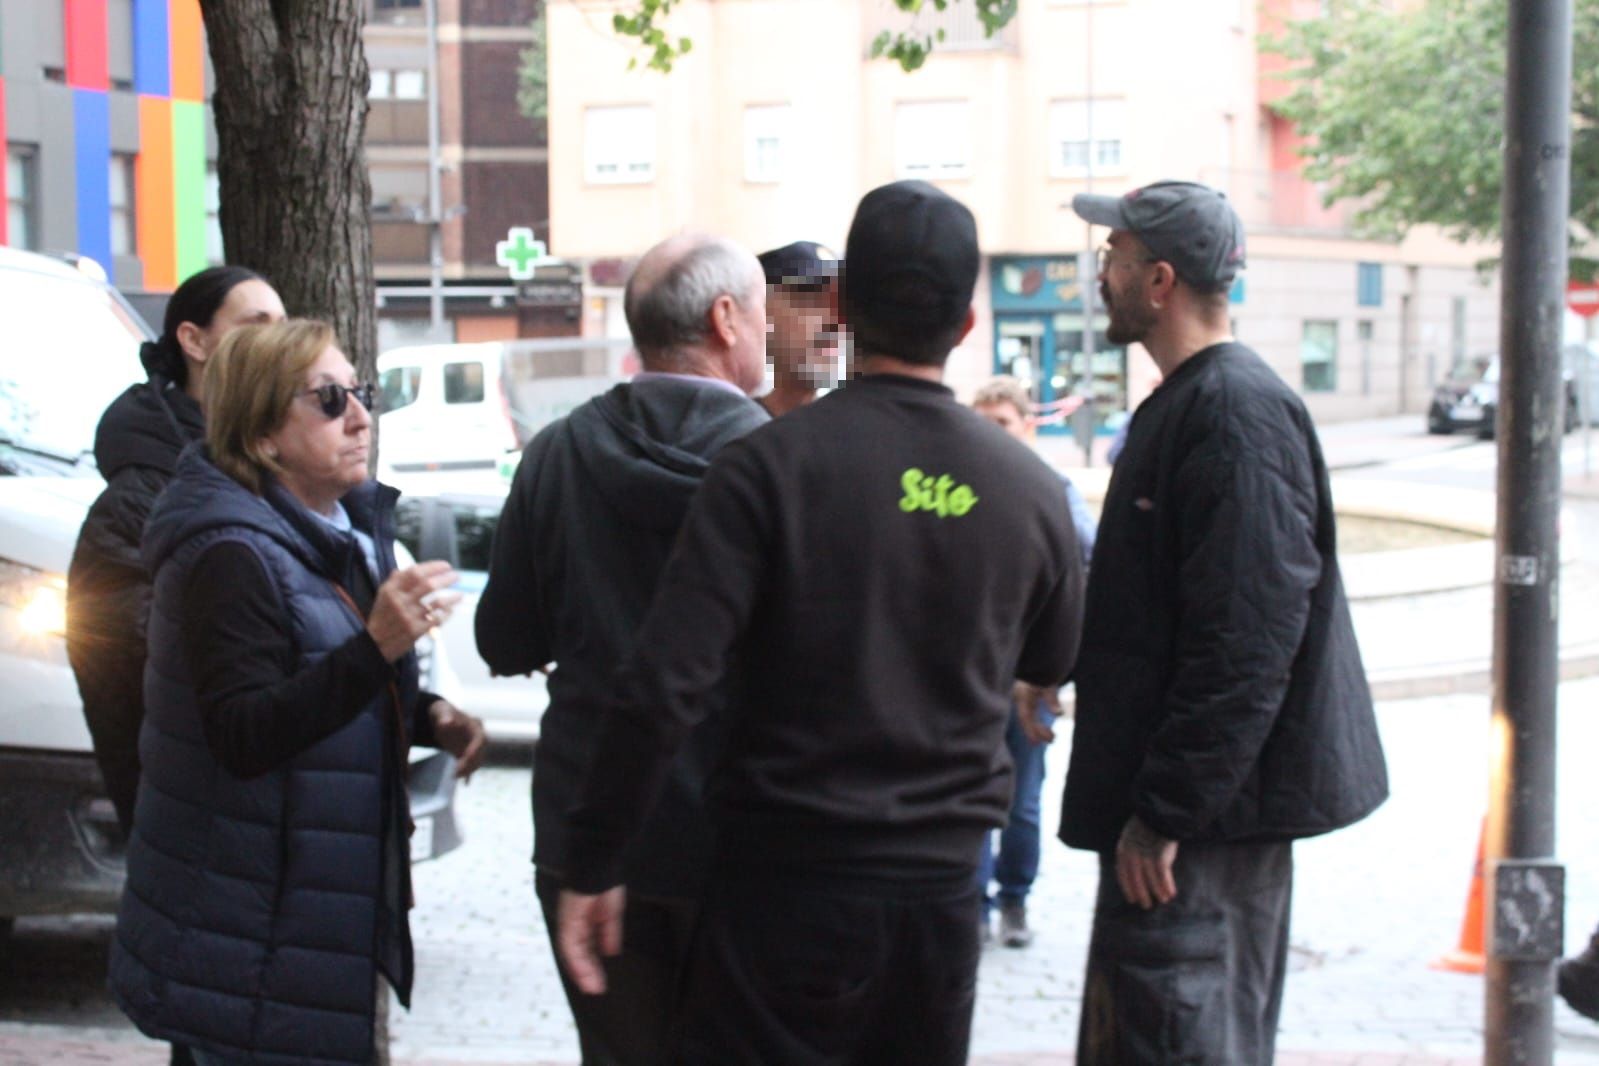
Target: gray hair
{"type": "Point", "coordinates": [667, 306]}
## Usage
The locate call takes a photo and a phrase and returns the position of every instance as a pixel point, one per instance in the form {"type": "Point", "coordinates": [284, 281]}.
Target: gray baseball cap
{"type": "Point", "coordinates": [1188, 225]}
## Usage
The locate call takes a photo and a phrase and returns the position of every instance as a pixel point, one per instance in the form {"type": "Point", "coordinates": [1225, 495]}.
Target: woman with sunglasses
{"type": "Point", "coordinates": [268, 872]}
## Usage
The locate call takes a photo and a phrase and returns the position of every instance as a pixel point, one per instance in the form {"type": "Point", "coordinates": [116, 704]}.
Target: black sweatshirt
{"type": "Point", "coordinates": [881, 565]}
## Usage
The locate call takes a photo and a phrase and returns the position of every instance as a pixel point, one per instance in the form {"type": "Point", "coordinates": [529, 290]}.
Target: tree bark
{"type": "Point", "coordinates": [290, 106]}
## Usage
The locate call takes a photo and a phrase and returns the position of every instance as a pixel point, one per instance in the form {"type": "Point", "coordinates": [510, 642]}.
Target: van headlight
{"type": "Point", "coordinates": [38, 597]}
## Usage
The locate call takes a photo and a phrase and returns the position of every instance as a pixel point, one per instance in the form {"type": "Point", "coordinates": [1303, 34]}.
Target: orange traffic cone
{"type": "Point", "coordinates": [1468, 957]}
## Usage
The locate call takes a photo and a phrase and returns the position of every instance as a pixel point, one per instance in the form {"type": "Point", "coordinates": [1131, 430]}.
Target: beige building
{"type": "Point", "coordinates": [778, 120]}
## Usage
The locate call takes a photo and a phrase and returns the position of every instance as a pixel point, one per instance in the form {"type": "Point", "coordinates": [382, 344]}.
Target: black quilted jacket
{"type": "Point", "coordinates": [108, 592]}
{"type": "Point", "coordinates": [1220, 691]}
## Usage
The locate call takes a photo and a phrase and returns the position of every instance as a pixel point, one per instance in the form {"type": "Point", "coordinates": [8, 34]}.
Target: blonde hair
{"type": "Point", "coordinates": [1006, 389]}
{"type": "Point", "coordinates": [250, 382]}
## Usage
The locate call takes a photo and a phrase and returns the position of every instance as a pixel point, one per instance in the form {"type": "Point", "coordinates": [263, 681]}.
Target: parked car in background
{"type": "Point", "coordinates": [69, 344]}
{"type": "Point", "coordinates": [1469, 397]}
{"type": "Point", "coordinates": [450, 407]}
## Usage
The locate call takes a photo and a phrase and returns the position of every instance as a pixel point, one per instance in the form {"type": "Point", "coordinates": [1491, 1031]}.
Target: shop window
{"type": "Point", "coordinates": [765, 142]}
{"type": "Point", "coordinates": [1318, 356]}
{"type": "Point", "coordinates": [619, 145]}
{"type": "Point", "coordinates": [1368, 284]}
{"type": "Point", "coordinates": [22, 206]}
{"type": "Point", "coordinates": [463, 383]}
{"type": "Point", "coordinates": [1085, 136]}
{"type": "Point", "coordinates": [124, 238]}
{"type": "Point", "coordinates": [932, 139]}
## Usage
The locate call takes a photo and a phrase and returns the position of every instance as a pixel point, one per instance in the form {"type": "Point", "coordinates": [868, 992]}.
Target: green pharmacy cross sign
{"type": "Point", "coordinates": [520, 253]}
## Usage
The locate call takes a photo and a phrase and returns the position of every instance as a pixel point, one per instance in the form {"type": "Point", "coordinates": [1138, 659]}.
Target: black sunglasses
{"type": "Point", "coordinates": [335, 399]}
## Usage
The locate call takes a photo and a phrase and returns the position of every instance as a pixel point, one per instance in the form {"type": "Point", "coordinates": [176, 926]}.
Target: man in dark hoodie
{"type": "Point", "coordinates": [585, 533]}
{"type": "Point", "coordinates": [136, 446]}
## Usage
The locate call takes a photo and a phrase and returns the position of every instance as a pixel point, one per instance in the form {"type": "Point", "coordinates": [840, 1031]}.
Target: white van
{"type": "Point", "coordinates": [69, 345]}
{"type": "Point", "coordinates": [457, 407]}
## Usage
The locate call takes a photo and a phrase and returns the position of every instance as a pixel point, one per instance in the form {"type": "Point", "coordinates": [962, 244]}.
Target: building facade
{"type": "Point", "coordinates": [492, 174]}
{"type": "Point", "coordinates": [109, 150]}
{"type": "Point", "coordinates": [779, 120]}
{"type": "Point", "coordinates": [110, 154]}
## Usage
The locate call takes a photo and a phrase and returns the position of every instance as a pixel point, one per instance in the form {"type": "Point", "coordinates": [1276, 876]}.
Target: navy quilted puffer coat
{"type": "Point", "coordinates": [258, 911]}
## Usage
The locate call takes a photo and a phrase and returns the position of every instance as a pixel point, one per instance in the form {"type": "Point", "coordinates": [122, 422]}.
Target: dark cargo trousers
{"type": "Point", "coordinates": [1197, 981]}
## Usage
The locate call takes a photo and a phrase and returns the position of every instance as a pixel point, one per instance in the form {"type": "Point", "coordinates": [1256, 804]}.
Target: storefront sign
{"type": "Point", "coordinates": [1035, 283]}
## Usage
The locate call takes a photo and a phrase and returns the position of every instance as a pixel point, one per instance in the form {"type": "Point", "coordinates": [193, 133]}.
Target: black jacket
{"type": "Point", "coordinates": [1220, 692]}
{"type": "Point", "coordinates": [108, 592]}
{"type": "Point", "coordinates": [878, 566]}
{"type": "Point", "coordinates": [591, 516]}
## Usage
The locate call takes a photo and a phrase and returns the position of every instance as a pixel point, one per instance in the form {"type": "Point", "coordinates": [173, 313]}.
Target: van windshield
{"type": "Point", "coordinates": [70, 348]}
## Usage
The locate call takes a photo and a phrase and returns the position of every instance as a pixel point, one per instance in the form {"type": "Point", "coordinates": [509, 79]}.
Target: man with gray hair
{"type": "Point", "coordinates": [586, 530]}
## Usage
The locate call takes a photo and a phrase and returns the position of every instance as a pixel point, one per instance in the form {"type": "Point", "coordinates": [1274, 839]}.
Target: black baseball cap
{"type": "Point", "coordinates": [1188, 225]}
{"type": "Point", "coordinates": [803, 264]}
{"type": "Point", "coordinates": [911, 256]}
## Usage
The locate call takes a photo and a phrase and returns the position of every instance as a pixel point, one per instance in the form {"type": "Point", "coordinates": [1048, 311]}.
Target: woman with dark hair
{"type": "Point", "coordinates": [264, 918]}
{"type": "Point", "coordinates": [137, 445]}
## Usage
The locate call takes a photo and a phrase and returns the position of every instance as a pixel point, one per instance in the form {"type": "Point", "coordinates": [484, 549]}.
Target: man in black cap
{"type": "Point", "coordinates": [1222, 709]}
{"type": "Point", "coordinates": [803, 342]}
{"type": "Point", "coordinates": [881, 565]}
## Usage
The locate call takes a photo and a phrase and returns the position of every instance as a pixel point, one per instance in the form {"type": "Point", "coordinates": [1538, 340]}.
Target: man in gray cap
{"type": "Point", "coordinates": [802, 342]}
{"type": "Point", "coordinates": [1222, 709]}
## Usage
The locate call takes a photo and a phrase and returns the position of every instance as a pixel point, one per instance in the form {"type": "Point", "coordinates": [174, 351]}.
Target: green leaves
{"type": "Point", "coordinates": [660, 51]}
{"type": "Point", "coordinates": [909, 47]}
{"type": "Point", "coordinates": [1403, 111]}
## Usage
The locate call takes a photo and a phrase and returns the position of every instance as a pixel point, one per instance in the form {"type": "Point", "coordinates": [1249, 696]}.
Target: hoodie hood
{"type": "Point", "coordinates": [148, 425]}
{"type": "Point", "coordinates": [202, 498]}
{"type": "Point", "coordinates": [641, 445]}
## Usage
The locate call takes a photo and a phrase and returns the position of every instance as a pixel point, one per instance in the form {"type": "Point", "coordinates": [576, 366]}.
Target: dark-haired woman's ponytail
{"type": "Point", "coordinates": [161, 359]}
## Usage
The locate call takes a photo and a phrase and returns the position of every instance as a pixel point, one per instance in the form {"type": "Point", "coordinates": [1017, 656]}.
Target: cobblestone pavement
{"type": "Point", "coordinates": [1374, 904]}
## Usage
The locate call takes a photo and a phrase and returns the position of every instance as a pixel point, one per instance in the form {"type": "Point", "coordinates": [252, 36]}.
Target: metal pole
{"type": "Point", "coordinates": [1086, 272]}
{"type": "Point", "coordinates": [435, 193]}
{"type": "Point", "coordinates": [1526, 885]}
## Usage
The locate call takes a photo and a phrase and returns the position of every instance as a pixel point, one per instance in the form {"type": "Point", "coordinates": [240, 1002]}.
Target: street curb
{"type": "Point", "coordinates": [1469, 677]}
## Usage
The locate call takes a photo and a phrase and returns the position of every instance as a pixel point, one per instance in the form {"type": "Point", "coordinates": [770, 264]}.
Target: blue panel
{"type": "Point", "coordinates": [152, 52]}
{"type": "Point", "coordinates": [91, 112]}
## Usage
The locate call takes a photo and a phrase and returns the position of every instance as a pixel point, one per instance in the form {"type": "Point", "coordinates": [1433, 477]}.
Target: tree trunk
{"type": "Point", "coordinates": [290, 106]}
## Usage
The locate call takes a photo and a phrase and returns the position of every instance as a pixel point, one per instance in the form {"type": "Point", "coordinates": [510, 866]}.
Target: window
{"type": "Point", "coordinates": [1368, 284]}
{"type": "Point", "coordinates": [463, 382]}
{"type": "Point", "coordinates": [1366, 332]}
{"type": "Point", "coordinates": [765, 138]}
{"type": "Point", "coordinates": [382, 85]}
{"type": "Point", "coordinates": [932, 139]}
{"type": "Point", "coordinates": [410, 85]}
{"type": "Point", "coordinates": [22, 181]}
{"type": "Point", "coordinates": [392, 5]}
{"type": "Point", "coordinates": [213, 217]}
{"type": "Point", "coordinates": [1086, 136]}
{"type": "Point", "coordinates": [397, 387]}
{"type": "Point", "coordinates": [619, 145]}
{"type": "Point", "coordinates": [1318, 356]}
{"type": "Point", "coordinates": [124, 238]}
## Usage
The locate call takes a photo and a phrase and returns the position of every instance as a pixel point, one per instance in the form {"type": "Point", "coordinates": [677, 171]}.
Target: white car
{"type": "Point", "coordinates": [69, 344]}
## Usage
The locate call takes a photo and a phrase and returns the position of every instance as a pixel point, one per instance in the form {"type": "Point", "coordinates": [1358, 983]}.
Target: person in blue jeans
{"type": "Point", "coordinates": [1006, 402]}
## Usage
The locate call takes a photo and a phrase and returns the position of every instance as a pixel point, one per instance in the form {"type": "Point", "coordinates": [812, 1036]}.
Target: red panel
{"type": "Point", "coordinates": [88, 45]}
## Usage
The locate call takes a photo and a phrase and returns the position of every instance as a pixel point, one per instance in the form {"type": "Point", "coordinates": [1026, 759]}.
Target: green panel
{"type": "Point", "coordinates": [188, 174]}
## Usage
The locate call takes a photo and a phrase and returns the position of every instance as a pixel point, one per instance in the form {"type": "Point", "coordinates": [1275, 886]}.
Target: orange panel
{"type": "Point", "coordinates": [155, 188]}
{"type": "Point", "coordinates": [188, 51]}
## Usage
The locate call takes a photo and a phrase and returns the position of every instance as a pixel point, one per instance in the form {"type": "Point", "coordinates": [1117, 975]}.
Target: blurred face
{"type": "Point", "coordinates": [323, 457]}
{"type": "Point", "coordinates": [1122, 278]}
{"type": "Point", "coordinates": [249, 303]}
{"type": "Point", "coordinates": [803, 343]}
{"type": "Point", "coordinates": [1006, 417]}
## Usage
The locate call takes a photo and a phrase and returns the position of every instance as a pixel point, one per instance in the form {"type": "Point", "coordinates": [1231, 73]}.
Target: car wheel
{"type": "Point", "coordinates": [1438, 427]}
